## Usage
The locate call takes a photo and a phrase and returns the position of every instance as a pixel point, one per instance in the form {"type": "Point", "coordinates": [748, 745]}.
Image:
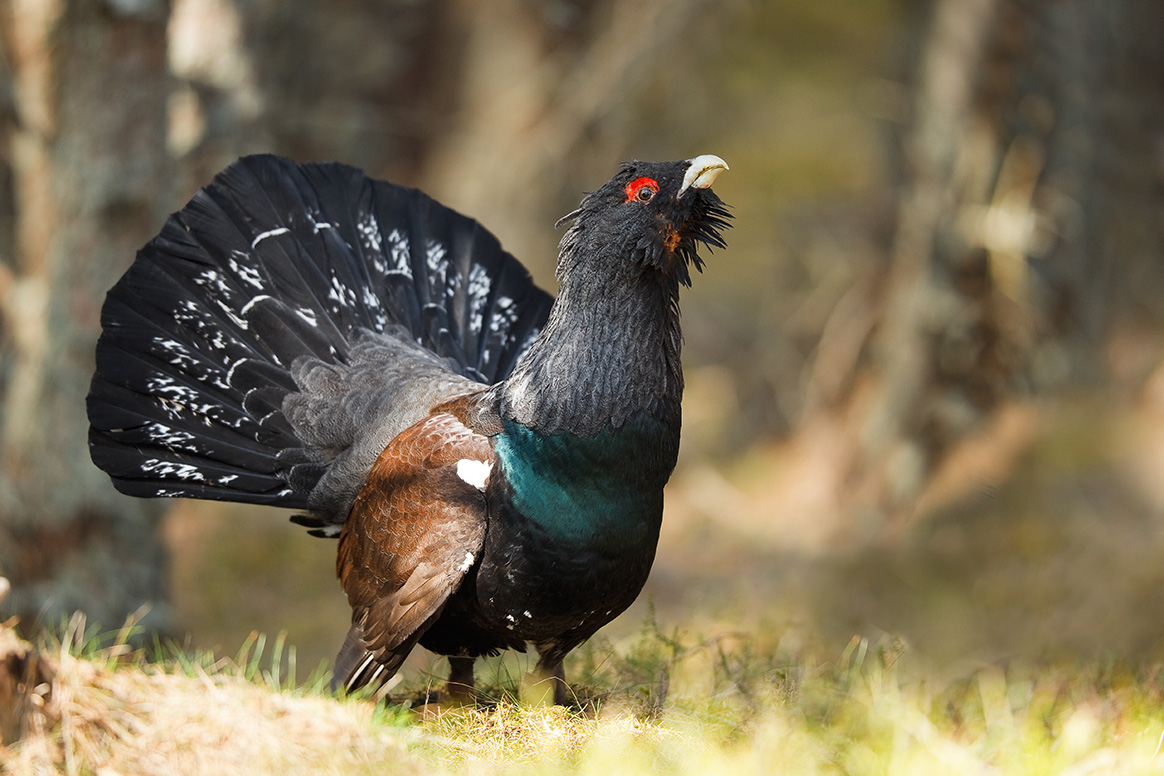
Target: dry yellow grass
{"type": "Point", "coordinates": [661, 705]}
{"type": "Point", "coordinates": [107, 717]}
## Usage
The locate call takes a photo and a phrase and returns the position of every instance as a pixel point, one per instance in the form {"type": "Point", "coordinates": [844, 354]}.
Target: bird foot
{"type": "Point", "coordinates": [458, 694]}
{"type": "Point", "coordinates": [544, 687]}
{"type": "Point", "coordinates": [461, 689]}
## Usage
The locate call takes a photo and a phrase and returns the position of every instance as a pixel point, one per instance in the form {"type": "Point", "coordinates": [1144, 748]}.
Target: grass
{"type": "Point", "coordinates": [663, 702]}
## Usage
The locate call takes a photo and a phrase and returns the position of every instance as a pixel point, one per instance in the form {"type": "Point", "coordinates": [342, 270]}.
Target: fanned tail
{"type": "Point", "coordinates": [282, 280]}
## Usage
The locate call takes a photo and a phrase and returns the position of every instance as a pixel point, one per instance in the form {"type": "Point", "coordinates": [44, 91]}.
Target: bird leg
{"type": "Point", "coordinates": [546, 685]}
{"type": "Point", "coordinates": [460, 688]}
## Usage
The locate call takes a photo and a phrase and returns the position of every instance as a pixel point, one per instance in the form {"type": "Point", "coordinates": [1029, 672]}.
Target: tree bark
{"type": "Point", "coordinates": [1028, 220]}
{"type": "Point", "coordinates": [85, 151]}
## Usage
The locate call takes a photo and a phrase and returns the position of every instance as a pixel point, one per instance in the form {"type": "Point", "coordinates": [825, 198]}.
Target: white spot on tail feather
{"type": "Point", "coordinates": [341, 293]}
{"type": "Point", "coordinates": [435, 256]}
{"type": "Point", "coordinates": [478, 291]}
{"type": "Point", "coordinates": [401, 254]}
{"type": "Point", "coordinates": [438, 271]}
{"type": "Point", "coordinates": [167, 436]}
{"type": "Point", "coordinates": [369, 233]}
{"type": "Point", "coordinates": [246, 308]}
{"type": "Point", "coordinates": [245, 272]}
{"type": "Point", "coordinates": [504, 315]}
{"type": "Point", "coordinates": [269, 233]}
{"type": "Point", "coordinates": [172, 469]}
{"type": "Point", "coordinates": [360, 669]}
{"type": "Point", "coordinates": [476, 473]}
{"type": "Point", "coordinates": [179, 354]}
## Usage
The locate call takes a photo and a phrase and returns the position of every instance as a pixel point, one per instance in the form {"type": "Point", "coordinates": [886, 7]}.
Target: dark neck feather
{"type": "Point", "coordinates": [610, 349]}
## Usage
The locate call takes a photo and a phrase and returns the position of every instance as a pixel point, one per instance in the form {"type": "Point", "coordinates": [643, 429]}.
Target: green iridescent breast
{"type": "Point", "coordinates": [590, 490]}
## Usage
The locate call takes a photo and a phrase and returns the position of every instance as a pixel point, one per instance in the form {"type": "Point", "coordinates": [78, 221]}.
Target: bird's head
{"type": "Point", "coordinates": [650, 216]}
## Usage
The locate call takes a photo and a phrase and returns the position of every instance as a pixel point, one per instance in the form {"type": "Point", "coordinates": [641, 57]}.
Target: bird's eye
{"type": "Point", "coordinates": [642, 189]}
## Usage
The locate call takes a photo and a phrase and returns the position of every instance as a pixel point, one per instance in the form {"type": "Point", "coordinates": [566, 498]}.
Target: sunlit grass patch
{"type": "Point", "coordinates": [664, 701]}
{"type": "Point", "coordinates": [101, 706]}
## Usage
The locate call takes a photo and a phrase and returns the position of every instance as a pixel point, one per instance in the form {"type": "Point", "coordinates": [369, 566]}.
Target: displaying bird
{"type": "Point", "coordinates": [492, 460]}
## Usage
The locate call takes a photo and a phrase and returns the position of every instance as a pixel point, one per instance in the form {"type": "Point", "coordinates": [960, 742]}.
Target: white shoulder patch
{"type": "Point", "coordinates": [476, 473]}
{"type": "Point", "coordinates": [467, 563]}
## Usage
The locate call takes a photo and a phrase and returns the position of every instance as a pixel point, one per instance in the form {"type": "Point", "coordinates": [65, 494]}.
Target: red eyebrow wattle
{"type": "Point", "coordinates": [632, 188]}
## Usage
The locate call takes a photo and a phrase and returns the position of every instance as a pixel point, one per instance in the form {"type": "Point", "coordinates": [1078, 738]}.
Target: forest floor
{"type": "Point", "coordinates": [661, 703]}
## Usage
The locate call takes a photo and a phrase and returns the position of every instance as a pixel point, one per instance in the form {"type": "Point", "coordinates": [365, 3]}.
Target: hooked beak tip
{"type": "Point", "coordinates": [702, 172]}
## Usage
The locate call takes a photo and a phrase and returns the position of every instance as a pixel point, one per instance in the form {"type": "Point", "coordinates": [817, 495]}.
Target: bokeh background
{"type": "Point", "coordinates": [925, 389]}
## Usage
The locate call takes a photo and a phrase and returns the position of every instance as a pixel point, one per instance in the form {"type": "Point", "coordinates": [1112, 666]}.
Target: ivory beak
{"type": "Point", "coordinates": [702, 172]}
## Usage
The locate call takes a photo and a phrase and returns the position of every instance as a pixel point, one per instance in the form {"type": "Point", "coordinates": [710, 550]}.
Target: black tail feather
{"type": "Point", "coordinates": [356, 667]}
{"type": "Point", "coordinates": [271, 263]}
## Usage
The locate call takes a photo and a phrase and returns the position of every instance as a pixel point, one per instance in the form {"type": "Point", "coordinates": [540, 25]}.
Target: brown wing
{"type": "Point", "coordinates": [415, 530]}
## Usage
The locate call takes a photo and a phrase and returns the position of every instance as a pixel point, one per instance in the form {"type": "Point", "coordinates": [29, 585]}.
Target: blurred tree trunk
{"type": "Point", "coordinates": [366, 82]}
{"type": "Point", "coordinates": [546, 107]}
{"type": "Point", "coordinates": [497, 107]}
{"type": "Point", "coordinates": [1028, 235]}
{"type": "Point", "coordinates": [85, 158]}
